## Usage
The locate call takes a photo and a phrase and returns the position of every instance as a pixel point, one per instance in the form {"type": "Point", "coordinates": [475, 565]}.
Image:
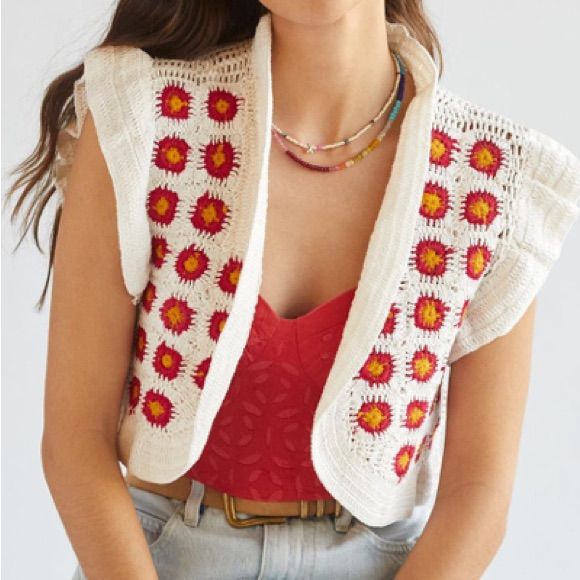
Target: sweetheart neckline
{"type": "Point", "coordinates": [322, 307]}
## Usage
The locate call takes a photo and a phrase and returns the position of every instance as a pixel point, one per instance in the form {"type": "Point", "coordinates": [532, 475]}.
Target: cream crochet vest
{"type": "Point", "coordinates": [473, 217]}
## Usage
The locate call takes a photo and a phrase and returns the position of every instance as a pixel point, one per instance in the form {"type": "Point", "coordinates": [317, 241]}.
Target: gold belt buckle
{"type": "Point", "coordinates": [237, 522]}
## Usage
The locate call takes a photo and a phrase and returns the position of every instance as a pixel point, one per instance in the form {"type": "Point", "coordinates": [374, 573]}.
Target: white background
{"type": "Point", "coordinates": [519, 58]}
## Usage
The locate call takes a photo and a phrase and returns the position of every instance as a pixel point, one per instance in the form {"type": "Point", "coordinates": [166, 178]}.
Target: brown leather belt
{"type": "Point", "coordinates": [266, 512]}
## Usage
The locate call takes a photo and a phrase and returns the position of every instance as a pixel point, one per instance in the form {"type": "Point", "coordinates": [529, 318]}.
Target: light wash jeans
{"type": "Point", "coordinates": [191, 541]}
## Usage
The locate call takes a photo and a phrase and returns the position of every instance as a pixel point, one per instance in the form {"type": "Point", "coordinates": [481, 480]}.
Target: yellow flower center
{"type": "Point", "coordinates": [431, 258]}
{"type": "Point", "coordinates": [174, 315]}
{"type": "Point", "coordinates": [219, 158]}
{"type": "Point", "coordinates": [480, 209]}
{"type": "Point", "coordinates": [477, 261]}
{"type": "Point", "coordinates": [374, 417]}
{"type": "Point", "coordinates": [162, 205]}
{"type": "Point", "coordinates": [430, 314]}
{"type": "Point", "coordinates": [156, 408]}
{"type": "Point", "coordinates": [484, 157]}
{"type": "Point", "coordinates": [415, 415]}
{"type": "Point", "coordinates": [176, 103]}
{"type": "Point", "coordinates": [437, 148]}
{"type": "Point", "coordinates": [209, 213]}
{"type": "Point", "coordinates": [192, 263]}
{"type": "Point", "coordinates": [431, 202]}
{"type": "Point", "coordinates": [422, 366]}
{"type": "Point", "coordinates": [173, 155]}
{"type": "Point", "coordinates": [235, 276]}
{"type": "Point", "coordinates": [404, 460]}
{"type": "Point", "coordinates": [375, 367]}
{"type": "Point", "coordinates": [222, 106]}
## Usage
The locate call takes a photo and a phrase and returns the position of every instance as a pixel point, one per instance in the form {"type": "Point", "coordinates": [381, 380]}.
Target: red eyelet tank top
{"type": "Point", "coordinates": [259, 444]}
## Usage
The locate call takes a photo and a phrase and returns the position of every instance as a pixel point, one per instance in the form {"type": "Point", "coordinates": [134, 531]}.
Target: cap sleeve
{"type": "Point", "coordinates": [546, 204]}
{"type": "Point", "coordinates": [116, 86]}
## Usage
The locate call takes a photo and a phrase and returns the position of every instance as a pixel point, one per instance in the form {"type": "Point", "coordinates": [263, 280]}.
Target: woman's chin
{"type": "Point", "coordinates": [310, 12]}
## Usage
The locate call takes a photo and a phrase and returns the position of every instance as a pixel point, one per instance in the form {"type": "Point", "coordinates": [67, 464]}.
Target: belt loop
{"type": "Point", "coordinates": [193, 506]}
{"type": "Point", "coordinates": [343, 520]}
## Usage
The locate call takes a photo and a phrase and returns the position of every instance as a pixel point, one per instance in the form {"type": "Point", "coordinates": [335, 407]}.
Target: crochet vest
{"type": "Point", "coordinates": [474, 215]}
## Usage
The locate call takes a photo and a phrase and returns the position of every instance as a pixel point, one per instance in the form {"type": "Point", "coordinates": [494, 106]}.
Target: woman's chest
{"type": "Point", "coordinates": [318, 227]}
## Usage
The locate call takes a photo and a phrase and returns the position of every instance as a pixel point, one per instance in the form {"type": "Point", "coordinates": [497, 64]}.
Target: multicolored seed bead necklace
{"type": "Point", "coordinates": [400, 85]}
{"type": "Point", "coordinates": [311, 147]}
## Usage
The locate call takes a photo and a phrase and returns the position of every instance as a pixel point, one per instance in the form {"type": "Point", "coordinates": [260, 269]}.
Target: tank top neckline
{"type": "Point", "coordinates": [331, 310]}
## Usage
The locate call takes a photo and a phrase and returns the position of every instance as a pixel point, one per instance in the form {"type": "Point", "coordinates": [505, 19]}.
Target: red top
{"type": "Point", "coordinates": [259, 444]}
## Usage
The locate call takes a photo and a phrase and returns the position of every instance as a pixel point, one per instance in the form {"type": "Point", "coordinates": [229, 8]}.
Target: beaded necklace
{"type": "Point", "coordinates": [400, 86]}
{"type": "Point", "coordinates": [311, 147]}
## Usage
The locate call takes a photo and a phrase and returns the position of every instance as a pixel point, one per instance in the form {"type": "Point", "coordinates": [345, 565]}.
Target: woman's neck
{"type": "Point", "coordinates": [328, 80]}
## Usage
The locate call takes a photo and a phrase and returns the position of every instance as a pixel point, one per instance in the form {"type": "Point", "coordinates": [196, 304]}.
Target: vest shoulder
{"type": "Point", "coordinates": [547, 156]}
{"type": "Point", "coordinates": [225, 60]}
{"type": "Point", "coordinates": [454, 107]}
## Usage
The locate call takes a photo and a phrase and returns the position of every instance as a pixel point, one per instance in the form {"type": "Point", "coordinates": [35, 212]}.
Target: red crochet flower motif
{"type": "Point", "coordinates": [431, 257]}
{"type": "Point", "coordinates": [435, 202]}
{"type": "Point", "coordinates": [149, 295]}
{"type": "Point", "coordinates": [191, 263]}
{"type": "Point", "coordinates": [391, 320]}
{"type": "Point", "coordinates": [134, 394]}
{"type": "Point", "coordinates": [219, 158]}
{"type": "Point", "coordinates": [161, 205]}
{"type": "Point", "coordinates": [486, 156]}
{"type": "Point", "coordinates": [140, 343]}
{"type": "Point", "coordinates": [229, 276]}
{"type": "Point", "coordinates": [442, 148]}
{"type": "Point", "coordinates": [174, 102]}
{"type": "Point", "coordinates": [171, 154]}
{"type": "Point", "coordinates": [209, 214]}
{"type": "Point", "coordinates": [221, 105]}
{"type": "Point", "coordinates": [423, 365]}
{"type": "Point", "coordinates": [217, 323]}
{"type": "Point", "coordinates": [157, 408]}
{"type": "Point", "coordinates": [201, 371]}
{"type": "Point", "coordinates": [374, 417]}
{"type": "Point", "coordinates": [462, 313]}
{"type": "Point", "coordinates": [378, 368]}
{"type": "Point", "coordinates": [478, 257]}
{"type": "Point", "coordinates": [403, 460]}
{"type": "Point", "coordinates": [480, 208]}
{"type": "Point", "coordinates": [176, 315]}
{"type": "Point", "coordinates": [167, 361]}
{"type": "Point", "coordinates": [430, 313]}
{"type": "Point", "coordinates": [416, 413]}
{"type": "Point", "coordinates": [159, 250]}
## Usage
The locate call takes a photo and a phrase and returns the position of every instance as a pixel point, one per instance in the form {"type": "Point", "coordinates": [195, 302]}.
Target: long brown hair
{"type": "Point", "coordinates": [165, 29]}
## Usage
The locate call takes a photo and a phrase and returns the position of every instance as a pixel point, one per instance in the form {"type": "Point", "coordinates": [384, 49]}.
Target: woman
{"type": "Point", "coordinates": [263, 332]}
